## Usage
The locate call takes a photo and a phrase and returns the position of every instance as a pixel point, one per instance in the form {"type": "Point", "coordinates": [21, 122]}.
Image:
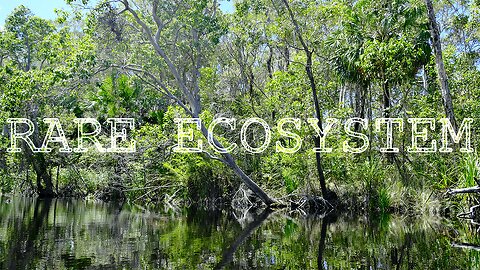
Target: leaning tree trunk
{"type": "Point", "coordinates": [230, 161]}
{"type": "Point", "coordinates": [318, 157]}
{"type": "Point", "coordinates": [442, 74]}
{"type": "Point", "coordinates": [192, 96]}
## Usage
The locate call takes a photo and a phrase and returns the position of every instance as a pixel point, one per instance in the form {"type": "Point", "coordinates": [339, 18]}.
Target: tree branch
{"type": "Point", "coordinates": [160, 51]}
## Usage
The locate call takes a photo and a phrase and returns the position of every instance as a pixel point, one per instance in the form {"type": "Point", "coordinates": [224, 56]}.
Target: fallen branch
{"type": "Point", "coordinates": [148, 187]}
{"type": "Point", "coordinates": [475, 189]}
{"type": "Point", "coordinates": [473, 214]}
{"type": "Point", "coordinates": [466, 245]}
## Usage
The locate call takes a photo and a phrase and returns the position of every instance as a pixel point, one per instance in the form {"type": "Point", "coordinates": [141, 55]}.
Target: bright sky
{"type": "Point", "coordinates": [225, 5]}
{"type": "Point", "coordinates": [41, 8]}
{"type": "Point", "coordinates": [45, 8]}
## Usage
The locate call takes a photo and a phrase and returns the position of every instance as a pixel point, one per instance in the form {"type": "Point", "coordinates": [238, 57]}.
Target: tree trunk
{"type": "Point", "coordinates": [56, 179]}
{"type": "Point", "coordinates": [360, 97]}
{"type": "Point", "coordinates": [230, 161]}
{"type": "Point", "coordinates": [386, 100]}
{"type": "Point", "coordinates": [44, 183]}
{"type": "Point", "coordinates": [43, 176]}
{"type": "Point", "coordinates": [29, 54]}
{"type": "Point", "coordinates": [466, 246]}
{"type": "Point", "coordinates": [442, 75]}
{"type": "Point", "coordinates": [269, 62]}
{"type": "Point", "coordinates": [475, 189]}
{"type": "Point", "coordinates": [287, 58]}
{"type": "Point", "coordinates": [318, 157]}
{"type": "Point", "coordinates": [308, 68]}
{"type": "Point", "coordinates": [193, 98]}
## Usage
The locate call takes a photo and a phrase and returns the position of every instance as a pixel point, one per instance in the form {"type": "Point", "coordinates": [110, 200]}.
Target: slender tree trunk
{"type": "Point", "coordinates": [270, 71]}
{"type": "Point", "coordinates": [425, 79]}
{"type": "Point", "coordinates": [287, 58]}
{"type": "Point", "coordinates": [360, 98]}
{"type": "Point", "coordinates": [475, 189]}
{"type": "Point", "coordinates": [466, 246]}
{"type": "Point", "coordinates": [308, 68]}
{"type": "Point", "coordinates": [29, 55]}
{"type": "Point", "coordinates": [269, 62]}
{"type": "Point", "coordinates": [56, 179]}
{"type": "Point", "coordinates": [386, 107]}
{"type": "Point", "coordinates": [386, 100]}
{"type": "Point", "coordinates": [442, 75]}
{"type": "Point", "coordinates": [318, 156]}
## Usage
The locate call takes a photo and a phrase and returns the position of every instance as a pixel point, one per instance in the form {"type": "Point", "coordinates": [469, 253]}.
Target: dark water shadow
{"type": "Point", "coordinates": [328, 219]}
{"type": "Point", "coordinates": [24, 237]}
{"type": "Point", "coordinates": [321, 245]}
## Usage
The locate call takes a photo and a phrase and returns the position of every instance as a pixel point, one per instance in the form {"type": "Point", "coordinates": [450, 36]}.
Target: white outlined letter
{"type": "Point", "coordinates": [92, 136]}
{"type": "Point", "coordinates": [298, 140]}
{"type": "Point", "coordinates": [331, 122]}
{"type": "Point", "coordinates": [60, 138]}
{"type": "Point", "coordinates": [122, 135]}
{"type": "Point", "coordinates": [182, 134]}
{"type": "Point", "coordinates": [447, 128]}
{"type": "Point", "coordinates": [421, 135]}
{"type": "Point", "coordinates": [25, 136]}
{"type": "Point", "coordinates": [389, 122]}
{"type": "Point", "coordinates": [243, 135]}
{"type": "Point", "coordinates": [232, 122]}
{"type": "Point", "coordinates": [348, 129]}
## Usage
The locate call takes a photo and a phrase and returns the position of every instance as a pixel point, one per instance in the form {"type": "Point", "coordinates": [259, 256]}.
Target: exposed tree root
{"type": "Point", "coordinates": [245, 199]}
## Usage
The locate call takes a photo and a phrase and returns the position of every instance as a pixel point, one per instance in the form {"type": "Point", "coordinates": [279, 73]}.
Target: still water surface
{"type": "Point", "coordinates": [75, 234]}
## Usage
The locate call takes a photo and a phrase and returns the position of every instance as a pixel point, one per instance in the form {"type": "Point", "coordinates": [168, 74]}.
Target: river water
{"type": "Point", "coordinates": [76, 234]}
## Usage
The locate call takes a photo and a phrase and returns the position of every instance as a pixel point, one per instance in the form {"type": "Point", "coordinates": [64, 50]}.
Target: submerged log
{"type": "Point", "coordinates": [475, 189]}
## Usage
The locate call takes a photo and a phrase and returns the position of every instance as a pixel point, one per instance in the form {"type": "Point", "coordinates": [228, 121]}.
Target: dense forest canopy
{"type": "Point", "coordinates": [159, 60]}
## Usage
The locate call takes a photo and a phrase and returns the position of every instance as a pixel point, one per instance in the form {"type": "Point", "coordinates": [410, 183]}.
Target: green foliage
{"type": "Point", "coordinates": [247, 64]}
{"type": "Point", "coordinates": [117, 96]}
{"type": "Point", "coordinates": [471, 166]}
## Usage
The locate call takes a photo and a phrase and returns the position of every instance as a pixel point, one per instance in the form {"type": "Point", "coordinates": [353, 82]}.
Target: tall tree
{"type": "Point", "coordinates": [309, 52]}
{"type": "Point", "coordinates": [181, 36]}
{"type": "Point", "coordinates": [442, 74]}
{"type": "Point", "coordinates": [25, 45]}
{"type": "Point", "coordinates": [43, 63]}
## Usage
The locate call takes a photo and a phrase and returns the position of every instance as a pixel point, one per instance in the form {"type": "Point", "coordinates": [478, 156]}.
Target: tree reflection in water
{"type": "Point", "coordinates": [69, 234]}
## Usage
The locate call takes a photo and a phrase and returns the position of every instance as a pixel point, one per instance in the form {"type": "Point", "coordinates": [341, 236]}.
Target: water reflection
{"type": "Point", "coordinates": [321, 246]}
{"type": "Point", "coordinates": [227, 256]}
{"type": "Point", "coordinates": [63, 234]}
